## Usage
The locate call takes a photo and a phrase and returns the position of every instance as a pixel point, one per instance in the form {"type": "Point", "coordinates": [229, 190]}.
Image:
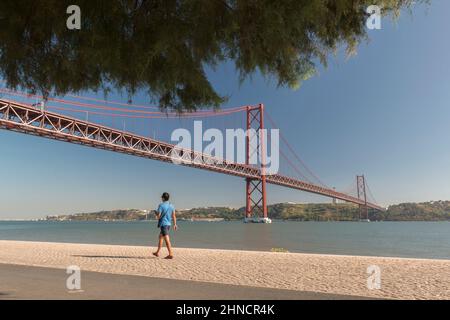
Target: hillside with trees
{"type": "Point", "coordinates": [426, 211]}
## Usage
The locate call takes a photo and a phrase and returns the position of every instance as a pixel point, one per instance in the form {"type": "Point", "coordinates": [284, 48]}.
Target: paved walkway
{"type": "Point", "coordinates": [23, 282]}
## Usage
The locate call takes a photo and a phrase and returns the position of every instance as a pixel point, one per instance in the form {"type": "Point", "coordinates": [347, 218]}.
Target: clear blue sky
{"type": "Point", "coordinates": [384, 113]}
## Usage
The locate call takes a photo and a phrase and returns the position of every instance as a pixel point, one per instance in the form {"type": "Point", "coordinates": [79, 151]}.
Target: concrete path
{"type": "Point", "coordinates": [24, 282]}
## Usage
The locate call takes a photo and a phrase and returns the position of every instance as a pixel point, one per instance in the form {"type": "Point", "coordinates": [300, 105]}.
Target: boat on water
{"type": "Point", "coordinates": [257, 220]}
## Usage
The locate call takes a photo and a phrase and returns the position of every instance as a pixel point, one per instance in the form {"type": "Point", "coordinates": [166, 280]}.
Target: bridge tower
{"type": "Point", "coordinates": [256, 196]}
{"type": "Point", "coordinates": [361, 190]}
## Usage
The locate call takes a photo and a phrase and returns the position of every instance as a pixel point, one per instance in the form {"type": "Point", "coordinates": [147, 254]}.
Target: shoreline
{"type": "Point", "coordinates": [235, 250]}
{"type": "Point", "coordinates": [401, 278]}
{"type": "Point", "coordinates": [218, 219]}
{"type": "Point", "coordinates": [224, 250]}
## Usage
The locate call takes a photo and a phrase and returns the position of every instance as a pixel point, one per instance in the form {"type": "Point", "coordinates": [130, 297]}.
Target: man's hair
{"type": "Point", "coordinates": [165, 196]}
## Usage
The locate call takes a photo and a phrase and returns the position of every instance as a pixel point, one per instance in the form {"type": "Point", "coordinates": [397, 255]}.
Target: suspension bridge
{"type": "Point", "coordinates": [62, 119]}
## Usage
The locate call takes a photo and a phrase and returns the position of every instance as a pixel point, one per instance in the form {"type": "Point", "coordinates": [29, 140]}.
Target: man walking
{"type": "Point", "coordinates": [165, 215]}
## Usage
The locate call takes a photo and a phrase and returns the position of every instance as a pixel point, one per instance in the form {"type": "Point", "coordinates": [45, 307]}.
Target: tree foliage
{"type": "Point", "coordinates": [164, 46]}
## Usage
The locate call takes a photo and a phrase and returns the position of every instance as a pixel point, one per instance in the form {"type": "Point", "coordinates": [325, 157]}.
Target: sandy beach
{"type": "Point", "coordinates": [329, 274]}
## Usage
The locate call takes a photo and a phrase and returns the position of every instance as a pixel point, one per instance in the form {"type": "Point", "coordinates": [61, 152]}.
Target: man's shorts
{"type": "Point", "coordinates": [165, 230]}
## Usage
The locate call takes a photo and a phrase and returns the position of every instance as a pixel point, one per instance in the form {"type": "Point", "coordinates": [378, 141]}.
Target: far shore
{"type": "Point", "coordinates": [209, 220]}
{"type": "Point", "coordinates": [400, 278]}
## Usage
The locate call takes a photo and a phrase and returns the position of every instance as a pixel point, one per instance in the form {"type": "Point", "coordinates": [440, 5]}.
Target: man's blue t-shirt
{"type": "Point", "coordinates": [165, 209]}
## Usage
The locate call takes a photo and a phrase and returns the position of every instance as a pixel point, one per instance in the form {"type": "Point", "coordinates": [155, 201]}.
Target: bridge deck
{"type": "Point", "coordinates": [29, 120]}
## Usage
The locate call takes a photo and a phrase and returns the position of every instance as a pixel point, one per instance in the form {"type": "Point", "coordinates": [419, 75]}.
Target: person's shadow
{"type": "Point", "coordinates": [113, 257]}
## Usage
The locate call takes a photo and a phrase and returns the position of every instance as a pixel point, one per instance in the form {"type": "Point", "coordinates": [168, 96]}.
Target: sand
{"type": "Point", "coordinates": [344, 275]}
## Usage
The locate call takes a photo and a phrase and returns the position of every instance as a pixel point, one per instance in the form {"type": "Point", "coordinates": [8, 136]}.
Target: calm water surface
{"type": "Point", "coordinates": [398, 239]}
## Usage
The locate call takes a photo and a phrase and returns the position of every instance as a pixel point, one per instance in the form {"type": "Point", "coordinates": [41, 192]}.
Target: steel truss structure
{"type": "Point", "coordinates": [29, 120]}
{"type": "Point", "coordinates": [256, 195]}
{"type": "Point", "coordinates": [361, 191]}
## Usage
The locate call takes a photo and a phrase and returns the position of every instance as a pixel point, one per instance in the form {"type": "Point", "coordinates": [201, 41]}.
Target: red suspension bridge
{"type": "Point", "coordinates": [40, 121]}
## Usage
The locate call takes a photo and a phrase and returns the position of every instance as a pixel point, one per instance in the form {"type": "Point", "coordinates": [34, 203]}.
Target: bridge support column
{"type": "Point", "coordinates": [361, 189]}
{"type": "Point", "coordinates": [256, 198]}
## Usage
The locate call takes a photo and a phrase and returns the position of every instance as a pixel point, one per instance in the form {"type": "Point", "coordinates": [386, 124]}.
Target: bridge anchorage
{"type": "Point", "coordinates": [30, 120]}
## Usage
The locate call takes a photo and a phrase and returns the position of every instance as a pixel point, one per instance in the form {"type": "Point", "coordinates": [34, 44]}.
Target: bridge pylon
{"type": "Point", "coordinates": [361, 190]}
{"type": "Point", "coordinates": [256, 195]}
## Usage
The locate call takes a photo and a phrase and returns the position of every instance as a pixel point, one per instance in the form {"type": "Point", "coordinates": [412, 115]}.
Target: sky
{"type": "Point", "coordinates": [384, 113]}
